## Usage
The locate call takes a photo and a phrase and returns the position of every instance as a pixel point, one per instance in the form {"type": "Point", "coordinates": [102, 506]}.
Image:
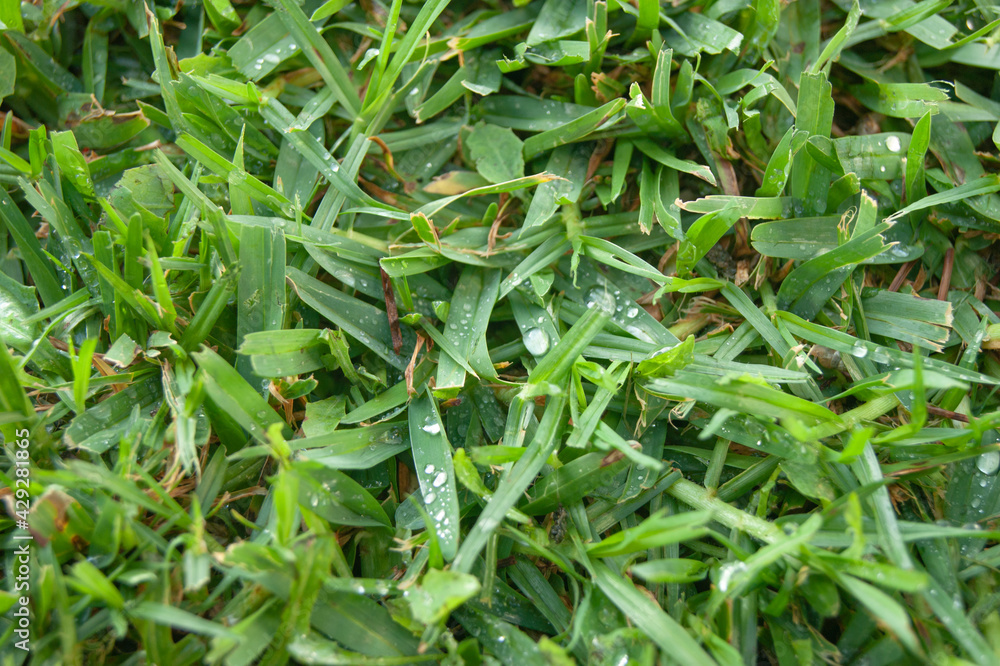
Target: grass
{"type": "Point", "coordinates": [486, 333]}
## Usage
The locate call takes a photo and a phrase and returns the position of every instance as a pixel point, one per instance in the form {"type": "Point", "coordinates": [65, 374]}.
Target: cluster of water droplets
{"type": "Point", "coordinates": [436, 489]}
{"type": "Point", "coordinates": [988, 464]}
{"type": "Point", "coordinates": [601, 298]}
{"type": "Point", "coordinates": [372, 588]}
{"type": "Point", "coordinates": [272, 58]}
{"type": "Point", "coordinates": [861, 350]}
{"type": "Point", "coordinates": [464, 318]}
{"type": "Point", "coordinates": [330, 162]}
{"type": "Point", "coordinates": [623, 312]}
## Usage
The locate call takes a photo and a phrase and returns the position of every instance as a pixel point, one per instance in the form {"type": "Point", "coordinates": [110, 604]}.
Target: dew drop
{"type": "Point", "coordinates": [892, 143]}
{"type": "Point", "coordinates": [432, 428]}
{"type": "Point", "coordinates": [600, 298]}
{"type": "Point", "coordinates": [440, 479]}
{"type": "Point", "coordinates": [429, 469]}
{"type": "Point", "coordinates": [639, 333]}
{"type": "Point", "coordinates": [429, 497]}
{"type": "Point", "coordinates": [989, 462]}
{"type": "Point", "coordinates": [536, 341]}
{"type": "Point", "coordinates": [727, 571]}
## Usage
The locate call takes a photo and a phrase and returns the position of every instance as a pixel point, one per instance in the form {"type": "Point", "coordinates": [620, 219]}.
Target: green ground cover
{"type": "Point", "coordinates": [479, 332]}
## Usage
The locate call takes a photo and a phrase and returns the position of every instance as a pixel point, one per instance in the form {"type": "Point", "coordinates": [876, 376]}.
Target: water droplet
{"type": "Point", "coordinates": [536, 341]}
{"type": "Point", "coordinates": [639, 333]}
{"type": "Point", "coordinates": [727, 571]}
{"type": "Point", "coordinates": [632, 312]}
{"type": "Point", "coordinates": [429, 497]}
{"type": "Point", "coordinates": [271, 58]}
{"type": "Point", "coordinates": [600, 298]}
{"type": "Point", "coordinates": [440, 479]}
{"type": "Point", "coordinates": [989, 462]}
{"type": "Point", "coordinates": [432, 428]}
{"type": "Point", "coordinates": [439, 516]}
{"type": "Point", "coordinates": [880, 356]}
{"type": "Point", "coordinates": [429, 469]}
{"type": "Point", "coordinates": [859, 350]}
{"type": "Point", "coordinates": [892, 143]}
